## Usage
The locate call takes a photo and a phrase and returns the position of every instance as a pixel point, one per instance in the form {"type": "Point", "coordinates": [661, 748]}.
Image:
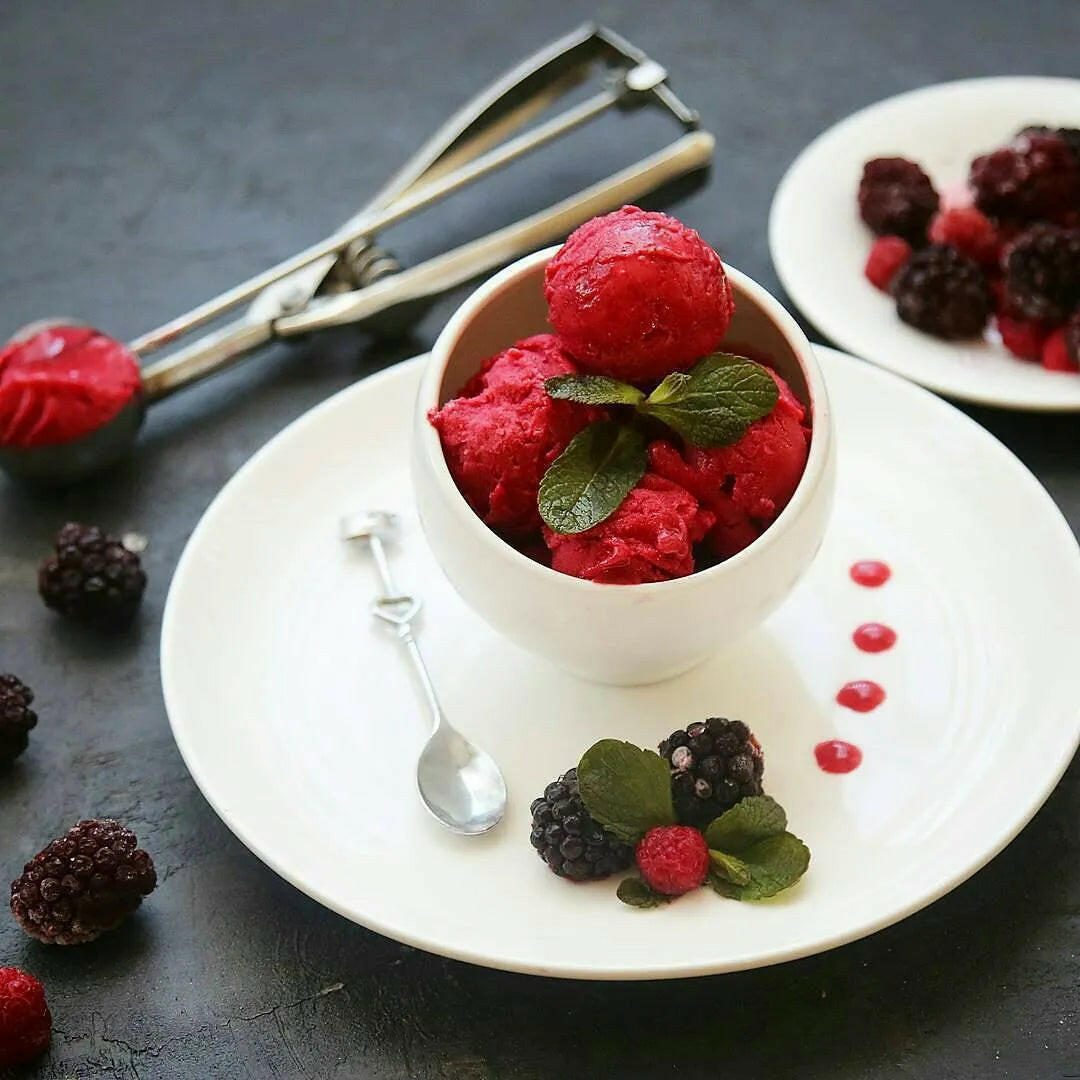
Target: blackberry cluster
{"type": "Point", "coordinates": [1042, 273]}
{"type": "Point", "coordinates": [568, 840]}
{"type": "Point", "coordinates": [897, 198]}
{"type": "Point", "coordinates": [92, 578]}
{"type": "Point", "coordinates": [943, 293]}
{"type": "Point", "coordinates": [1036, 176]}
{"type": "Point", "coordinates": [1069, 136]}
{"type": "Point", "coordinates": [17, 719]}
{"type": "Point", "coordinates": [713, 766]}
{"type": "Point", "coordinates": [83, 884]}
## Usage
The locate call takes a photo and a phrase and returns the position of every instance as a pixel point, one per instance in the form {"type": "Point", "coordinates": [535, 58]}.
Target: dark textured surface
{"type": "Point", "coordinates": [153, 154]}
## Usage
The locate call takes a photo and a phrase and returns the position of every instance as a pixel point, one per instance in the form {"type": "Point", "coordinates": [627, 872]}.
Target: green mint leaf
{"type": "Point", "coordinates": [730, 868]}
{"type": "Point", "coordinates": [716, 402]}
{"type": "Point", "coordinates": [756, 818]}
{"type": "Point", "coordinates": [775, 863]}
{"type": "Point", "coordinates": [588, 481]}
{"type": "Point", "coordinates": [636, 893]}
{"type": "Point", "coordinates": [627, 790]}
{"type": "Point", "coordinates": [593, 390]}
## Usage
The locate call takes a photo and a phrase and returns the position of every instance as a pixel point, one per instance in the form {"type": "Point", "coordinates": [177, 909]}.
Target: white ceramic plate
{"type": "Point", "coordinates": [819, 245]}
{"type": "Point", "coordinates": [299, 721]}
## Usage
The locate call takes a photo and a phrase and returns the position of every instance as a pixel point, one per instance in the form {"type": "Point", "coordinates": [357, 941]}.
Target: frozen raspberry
{"type": "Point", "coordinates": [1022, 338]}
{"type": "Point", "coordinates": [673, 859]}
{"type": "Point", "coordinates": [968, 230]}
{"type": "Point", "coordinates": [896, 197]}
{"type": "Point", "coordinates": [25, 1022]}
{"type": "Point", "coordinates": [1042, 273]}
{"type": "Point", "coordinates": [1056, 354]}
{"type": "Point", "coordinates": [888, 254]}
{"type": "Point", "coordinates": [1036, 176]}
{"type": "Point", "coordinates": [83, 884]}
{"type": "Point", "coordinates": [944, 293]}
{"type": "Point", "coordinates": [17, 719]}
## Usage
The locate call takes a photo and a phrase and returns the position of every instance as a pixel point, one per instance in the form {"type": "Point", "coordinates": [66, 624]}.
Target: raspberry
{"type": "Point", "coordinates": [92, 578]}
{"type": "Point", "coordinates": [888, 254]}
{"type": "Point", "coordinates": [1042, 273]}
{"type": "Point", "coordinates": [1036, 176]}
{"type": "Point", "coordinates": [1022, 338]}
{"type": "Point", "coordinates": [568, 840]}
{"type": "Point", "coordinates": [943, 293]}
{"type": "Point", "coordinates": [896, 197]}
{"type": "Point", "coordinates": [17, 719]}
{"type": "Point", "coordinates": [1056, 354]}
{"type": "Point", "coordinates": [25, 1021]}
{"type": "Point", "coordinates": [968, 230]}
{"type": "Point", "coordinates": [673, 859]}
{"type": "Point", "coordinates": [83, 884]}
{"type": "Point", "coordinates": [713, 766]}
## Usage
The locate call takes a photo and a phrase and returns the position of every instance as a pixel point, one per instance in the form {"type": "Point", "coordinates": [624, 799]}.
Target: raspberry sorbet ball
{"type": "Point", "coordinates": [637, 295]}
{"type": "Point", "coordinates": [61, 384]}
{"type": "Point", "coordinates": [744, 486]}
{"type": "Point", "coordinates": [504, 430]}
{"type": "Point", "coordinates": [649, 538]}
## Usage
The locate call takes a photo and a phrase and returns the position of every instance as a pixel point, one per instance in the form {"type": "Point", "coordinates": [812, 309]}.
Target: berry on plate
{"type": "Point", "coordinates": [968, 230]}
{"type": "Point", "coordinates": [17, 719]}
{"type": "Point", "coordinates": [943, 293]}
{"type": "Point", "coordinates": [1057, 355]}
{"type": "Point", "coordinates": [673, 859]}
{"type": "Point", "coordinates": [897, 198]}
{"type": "Point", "coordinates": [1042, 273]}
{"type": "Point", "coordinates": [1023, 338]}
{"type": "Point", "coordinates": [886, 257]}
{"type": "Point", "coordinates": [25, 1022]}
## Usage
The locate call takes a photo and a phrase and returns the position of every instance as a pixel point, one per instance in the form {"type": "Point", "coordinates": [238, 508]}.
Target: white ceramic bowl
{"type": "Point", "coordinates": [623, 634]}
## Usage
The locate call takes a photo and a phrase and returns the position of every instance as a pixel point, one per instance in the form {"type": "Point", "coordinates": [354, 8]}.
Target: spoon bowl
{"type": "Point", "coordinates": [460, 784]}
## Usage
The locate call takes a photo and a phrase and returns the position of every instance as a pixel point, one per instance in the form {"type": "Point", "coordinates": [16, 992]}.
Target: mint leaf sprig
{"type": "Point", "coordinates": [711, 405]}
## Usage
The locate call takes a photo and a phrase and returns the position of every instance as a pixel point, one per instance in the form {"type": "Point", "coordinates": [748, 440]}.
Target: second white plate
{"type": "Point", "coordinates": [819, 245]}
{"type": "Point", "coordinates": [300, 722]}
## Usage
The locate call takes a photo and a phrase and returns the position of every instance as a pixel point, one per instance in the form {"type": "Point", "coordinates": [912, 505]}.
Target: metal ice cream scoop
{"type": "Point", "coordinates": [348, 278]}
{"type": "Point", "coordinates": [460, 785]}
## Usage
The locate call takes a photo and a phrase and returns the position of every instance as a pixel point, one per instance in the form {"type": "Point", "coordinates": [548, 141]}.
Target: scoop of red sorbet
{"type": "Point", "coordinates": [649, 538]}
{"type": "Point", "coordinates": [61, 384]}
{"type": "Point", "coordinates": [747, 484]}
{"type": "Point", "coordinates": [637, 295]}
{"type": "Point", "coordinates": [504, 430]}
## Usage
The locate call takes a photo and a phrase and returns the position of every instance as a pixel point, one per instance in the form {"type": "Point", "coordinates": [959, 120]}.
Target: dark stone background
{"type": "Point", "coordinates": [153, 154]}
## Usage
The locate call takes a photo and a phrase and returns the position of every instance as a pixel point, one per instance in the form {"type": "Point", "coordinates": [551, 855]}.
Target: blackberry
{"type": "Point", "coordinates": [568, 840]}
{"type": "Point", "coordinates": [713, 766]}
{"type": "Point", "coordinates": [83, 884]}
{"type": "Point", "coordinates": [943, 293]}
{"type": "Point", "coordinates": [92, 578]}
{"type": "Point", "coordinates": [1042, 273]}
{"type": "Point", "coordinates": [1069, 136]}
{"type": "Point", "coordinates": [897, 198]}
{"type": "Point", "coordinates": [1036, 176]}
{"type": "Point", "coordinates": [17, 719]}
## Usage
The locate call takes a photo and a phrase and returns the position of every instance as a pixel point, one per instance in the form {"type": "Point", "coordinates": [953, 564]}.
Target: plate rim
{"type": "Point", "coordinates": [218, 804]}
{"type": "Point", "coordinates": [833, 329]}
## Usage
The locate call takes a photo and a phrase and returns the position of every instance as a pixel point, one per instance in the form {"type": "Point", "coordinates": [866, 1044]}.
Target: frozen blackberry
{"type": "Point", "coordinates": [713, 766]}
{"type": "Point", "coordinates": [1069, 136]}
{"type": "Point", "coordinates": [943, 293]}
{"type": "Point", "coordinates": [83, 884]}
{"type": "Point", "coordinates": [92, 578]}
{"type": "Point", "coordinates": [897, 198]}
{"type": "Point", "coordinates": [1036, 176]}
{"type": "Point", "coordinates": [17, 719]}
{"type": "Point", "coordinates": [1042, 273]}
{"type": "Point", "coordinates": [568, 840]}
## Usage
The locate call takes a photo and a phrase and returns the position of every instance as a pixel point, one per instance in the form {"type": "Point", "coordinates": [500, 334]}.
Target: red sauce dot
{"type": "Point", "coordinates": [837, 756]}
{"type": "Point", "coordinates": [870, 572]}
{"type": "Point", "coordinates": [874, 637]}
{"type": "Point", "coordinates": [862, 695]}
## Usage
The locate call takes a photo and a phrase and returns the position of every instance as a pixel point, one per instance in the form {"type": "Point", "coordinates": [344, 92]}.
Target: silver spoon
{"type": "Point", "coordinates": [459, 784]}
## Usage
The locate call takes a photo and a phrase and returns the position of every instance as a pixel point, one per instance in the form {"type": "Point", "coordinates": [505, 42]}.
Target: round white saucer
{"type": "Point", "coordinates": [819, 245]}
{"type": "Point", "coordinates": [299, 720]}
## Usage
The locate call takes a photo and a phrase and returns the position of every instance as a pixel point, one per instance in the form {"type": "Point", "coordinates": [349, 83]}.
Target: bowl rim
{"type": "Point", "coordinates": [431, 446]}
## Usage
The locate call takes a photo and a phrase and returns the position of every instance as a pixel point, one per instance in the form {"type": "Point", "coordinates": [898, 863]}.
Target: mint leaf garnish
{"type": "Point", "coordinates": [755, 818]}
{"type": "Point", "coordinates": [730, 868]}
{"type": "Point", "coordinates": [588, 481]}
{"type": "Point", "coordinates": [774, 864]}
{"type": "Point", "coordinates": [716, 401]}
{"type": "Point", "coordinates": [636, 893]}
{"type": "Point", "coordinates": [625, 789]}
{"type": "Point", "coordinates": [593, 390]}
